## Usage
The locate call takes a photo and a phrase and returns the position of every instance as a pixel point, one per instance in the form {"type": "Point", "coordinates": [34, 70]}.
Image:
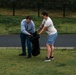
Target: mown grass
{"type": "Point", "coordinates": [63, 64]}
{"type": "Point", "coordinates": [11, 24]}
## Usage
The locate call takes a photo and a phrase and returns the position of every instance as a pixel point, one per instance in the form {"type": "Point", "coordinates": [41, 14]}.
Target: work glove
{"type": "Point", "coordinates": [35, 32]}
{"type": "Point", "coordinates": [38, 35]}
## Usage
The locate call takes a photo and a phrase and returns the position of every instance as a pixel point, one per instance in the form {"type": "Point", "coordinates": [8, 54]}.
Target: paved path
{"type": "Point", "coordinates": [64, 40]}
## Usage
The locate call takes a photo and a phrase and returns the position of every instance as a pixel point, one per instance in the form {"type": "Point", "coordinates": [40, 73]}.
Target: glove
{"type": "Point", "coordinates": [30, 36]}
{"type": "Point", "coordinates": [35, 32]}
{"type": "Point", "coordinates": [38, 35]}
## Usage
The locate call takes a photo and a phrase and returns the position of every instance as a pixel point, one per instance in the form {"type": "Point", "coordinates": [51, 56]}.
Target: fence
{"type": "Point", "coordinates": [65, 9]}
{"type": "Point", "coordinates": [55, 9]}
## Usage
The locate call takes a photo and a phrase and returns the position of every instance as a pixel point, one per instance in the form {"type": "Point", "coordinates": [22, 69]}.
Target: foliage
{"type": "Point", "coordinates": [22, 4]}
{"type": "Point", "coordinates": [11, 24]}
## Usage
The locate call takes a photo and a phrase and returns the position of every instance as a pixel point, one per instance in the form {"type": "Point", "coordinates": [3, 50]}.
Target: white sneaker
{"type": "Point", "coordinates": [47, 59]}
{"type": "Point", "coordinates": [52, 58]}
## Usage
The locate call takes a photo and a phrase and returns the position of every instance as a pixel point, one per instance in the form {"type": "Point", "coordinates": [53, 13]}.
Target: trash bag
{"type": "Point", "coordinates": [35, 44]}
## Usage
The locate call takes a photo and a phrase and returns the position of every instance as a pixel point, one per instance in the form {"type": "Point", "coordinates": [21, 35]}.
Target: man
{"type": "Point", "coordinates": [48, 26]}
{"type": "Point", "coordinates": [27, 27]}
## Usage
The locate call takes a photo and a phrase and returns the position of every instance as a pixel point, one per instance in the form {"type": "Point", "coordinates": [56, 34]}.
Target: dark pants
{"type": "Point", "coordinates": [25, 39]}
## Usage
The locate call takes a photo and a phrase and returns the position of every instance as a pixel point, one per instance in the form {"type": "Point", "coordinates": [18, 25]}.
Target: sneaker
{"type": "Point", "coordinates": [47, 59]}
{"type": "Point", "coordinates": [52, 58]}
{"type": "Point", "coordinates": [29, 57]}
{"type": "Point", "coordinates": [22, 54]}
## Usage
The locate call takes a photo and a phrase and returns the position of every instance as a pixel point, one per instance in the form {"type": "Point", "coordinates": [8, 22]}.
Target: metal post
{"type": "Point", "coordinates": [38, 9]}
{"type": "Point", "coordinates": [64, 5]}
{"type": "Point", "coordinates": [13, 6]}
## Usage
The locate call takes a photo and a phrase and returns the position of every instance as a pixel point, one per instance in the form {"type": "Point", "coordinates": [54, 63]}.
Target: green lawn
{"type": "Point", "coordinates": [11, 24]}
{"type": "Point", "coordinates": [63, 64]}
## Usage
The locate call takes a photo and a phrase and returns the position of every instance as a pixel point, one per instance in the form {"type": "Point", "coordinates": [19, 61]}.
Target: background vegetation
{"type": "Point", "coordinates": [33, 4]}
{"type": "Point", "coordinates": [11, 24]}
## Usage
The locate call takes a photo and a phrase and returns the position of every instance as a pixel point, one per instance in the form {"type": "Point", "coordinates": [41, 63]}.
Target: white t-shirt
{"type": "Point", "coordinates": [50, 27]}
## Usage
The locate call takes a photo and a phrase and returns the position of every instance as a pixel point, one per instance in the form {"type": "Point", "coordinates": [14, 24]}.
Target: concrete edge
{"type": "Point", "coordinates": [40, 48]}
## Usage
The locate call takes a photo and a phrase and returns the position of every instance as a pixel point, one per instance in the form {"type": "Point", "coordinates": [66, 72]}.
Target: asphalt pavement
{"type": "Point", "coordinates": [64, 40]}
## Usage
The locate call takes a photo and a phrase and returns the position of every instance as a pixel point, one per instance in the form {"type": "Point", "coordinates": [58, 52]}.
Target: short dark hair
{"type": "Point", "coordinates": [45, 13]}
{"type": "Point", "coordinates": [28, 17]}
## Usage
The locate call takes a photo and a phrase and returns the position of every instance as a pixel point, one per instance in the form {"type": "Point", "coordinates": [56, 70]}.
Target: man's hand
{"type": "Point", "coordinates": [43, 29]}
{"type": "Point", "coordinates": [29, 34]}
{"type": "Point", "coordinates": [35, 32]}
{"type": "Point", "coordinates": [38, 35]}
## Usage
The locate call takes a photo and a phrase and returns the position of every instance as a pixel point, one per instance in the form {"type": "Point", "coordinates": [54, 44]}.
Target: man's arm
{"type": "Point", "coordinates": [41, 26]}
{"type": "Point", "coordinates": [23, 29]}
{"type": "Point", "coordinates": [43, 29]}
{"type": "Point", "coordinates": [33, 27]}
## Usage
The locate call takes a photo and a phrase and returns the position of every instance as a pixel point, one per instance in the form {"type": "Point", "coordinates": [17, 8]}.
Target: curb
{"type": "Point", "coordinates": [40, 48]}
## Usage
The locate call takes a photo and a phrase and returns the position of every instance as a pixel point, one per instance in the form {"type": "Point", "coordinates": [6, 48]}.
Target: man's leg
{"type": "Point", "coordinates": [29, 45]}
{"type": "Point", "coordinates": [48, 53]}
{"type": "Point", "coordinates": [23, 39]}
{"type": "Point", "coordinates": [52, 46]}
{"type": "Point", "coordinates": [48, 50]}
{"type": "Point", "coordinates": [49, 47]}
{"type": "Point", "coordinates": [52, 50]}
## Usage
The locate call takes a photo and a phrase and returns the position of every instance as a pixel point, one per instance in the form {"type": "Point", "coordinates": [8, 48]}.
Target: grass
{"type": "Point", "coordinates": [63, 64]}
{"type": "Point", "coordinates": [11, 24]}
